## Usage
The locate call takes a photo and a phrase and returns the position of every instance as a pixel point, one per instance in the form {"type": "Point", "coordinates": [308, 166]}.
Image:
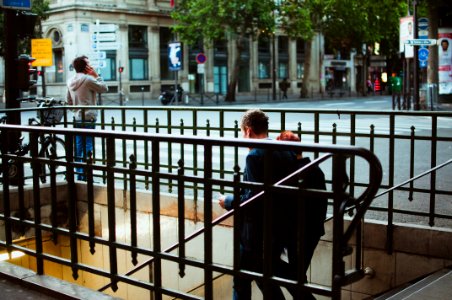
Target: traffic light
{"type": "Point", "coordinates": [24, 71]}
{"type": "Point", "coordinates": [25, 22]}
{"type": "Point", "coordinates": [121, 69]}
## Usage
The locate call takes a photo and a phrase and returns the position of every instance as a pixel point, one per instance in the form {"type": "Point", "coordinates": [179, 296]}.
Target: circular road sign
{"type": "Point", "coordinates": [201, 58]}
{"type": "Point", "coordinates": [422, 23]}
{"type": "Point", "coordinates": [422, 54]}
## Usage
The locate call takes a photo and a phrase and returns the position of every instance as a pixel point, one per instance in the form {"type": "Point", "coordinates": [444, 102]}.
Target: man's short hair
{"type": "Point", "coordinates": [79, 63]}
{"type": "Point", "coordinates": [255, 119]}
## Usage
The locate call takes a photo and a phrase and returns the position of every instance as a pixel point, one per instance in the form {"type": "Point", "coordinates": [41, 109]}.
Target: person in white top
{"type": "Point", "coordinates": [82, 91]}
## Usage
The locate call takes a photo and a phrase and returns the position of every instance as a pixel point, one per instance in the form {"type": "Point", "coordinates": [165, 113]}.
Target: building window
{"type": "Point", "coordinates": [59, 69]}
{"type": "Point", "coordinates": [220, 66]}
{"type": "Point", "coordinates": [138, 37]}
{"type": "Point", "coordinates": [264, 61]}
{"type": "Point", "coordinates": [166, 36]}
{"type": "Point", "coordinates": [283, 57]}
{"type": "Point", "coordinates": [300, 58]}
{"type": "Point", "coordinates": [244, 71]}
{"type": "Point", "coordinates": [138, 68]}
{"type": "Point", "coordinates": [109, 72]}
{"type": "Point", "coordinates": [138, 53]}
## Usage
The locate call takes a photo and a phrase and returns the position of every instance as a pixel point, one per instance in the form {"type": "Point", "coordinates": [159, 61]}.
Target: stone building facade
{"type": "Point", "coordinates": [135, 35]}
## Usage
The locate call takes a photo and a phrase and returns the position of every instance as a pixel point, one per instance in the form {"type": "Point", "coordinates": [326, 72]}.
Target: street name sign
{"type": "Point", "coordinates": [98, 55]}
{"type": "Point", "coordinates": [421, 42]}
{"type": "Point", "coordinates": [104, 37]}
{"type": "Point", "coordinates": [105, 28]}
{"type": "Point", "coordinates": [16, 4]}
{"type": "Point", "coordinates": [99, 64]}
{"type": "Point", "coordinates": [105, 46]}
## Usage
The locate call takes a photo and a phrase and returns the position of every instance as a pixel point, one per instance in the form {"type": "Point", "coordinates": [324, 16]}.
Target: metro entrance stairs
{"type": "Point", "coordinates": [436, 286]}
{"type": "Point", "coordinates": [18, 283]}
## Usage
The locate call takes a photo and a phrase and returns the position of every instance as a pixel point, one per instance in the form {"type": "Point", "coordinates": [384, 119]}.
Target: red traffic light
{"type": "Point", "coordinates": [24, 70]}
{"type": "Point", "coordinates": [121, 69]}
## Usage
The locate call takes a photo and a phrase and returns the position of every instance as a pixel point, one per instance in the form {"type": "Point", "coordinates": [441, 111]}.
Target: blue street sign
{"type": "Point", "coordinates": [423, 64]}
{"type": "Point", "coordinates": [19, 4]}
{"type": "Point", "coordinates": [422, 54]}
{"type": "Point", "coordinates": [422, 24]}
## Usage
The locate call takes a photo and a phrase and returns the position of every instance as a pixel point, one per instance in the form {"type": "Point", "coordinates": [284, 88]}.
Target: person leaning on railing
{"type": "Point", "coordinates": [82, 91]}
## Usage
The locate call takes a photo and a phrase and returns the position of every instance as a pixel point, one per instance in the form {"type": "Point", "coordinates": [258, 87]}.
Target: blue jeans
{"type": "Point", "coordinates": [83, 145]}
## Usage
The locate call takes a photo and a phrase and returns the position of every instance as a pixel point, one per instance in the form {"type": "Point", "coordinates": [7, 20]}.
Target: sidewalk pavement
{"type": "Point", "coordinates": [211, 100]}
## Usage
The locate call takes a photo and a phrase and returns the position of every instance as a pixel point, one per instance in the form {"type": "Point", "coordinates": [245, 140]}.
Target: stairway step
{"type": "Point", "coordinates": [437, 286]}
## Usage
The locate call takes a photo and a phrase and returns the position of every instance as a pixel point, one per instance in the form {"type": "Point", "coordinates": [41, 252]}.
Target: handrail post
{"type": "Point", "coordinates": [339, 167]}
{"type": "Point", "coordinates": [111, 154]}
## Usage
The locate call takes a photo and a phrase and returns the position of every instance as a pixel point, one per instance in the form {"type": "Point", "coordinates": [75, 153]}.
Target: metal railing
{"type": "Point", "coordinates": [407, 143]}
{"type": "Point", "coordinates": [135, 168]}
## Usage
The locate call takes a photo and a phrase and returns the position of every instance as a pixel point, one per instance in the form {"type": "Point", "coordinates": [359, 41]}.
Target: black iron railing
{"type": "Point", "coordinates": [407, 143]}
{"type": "Point", "coordinates": [112, 168]}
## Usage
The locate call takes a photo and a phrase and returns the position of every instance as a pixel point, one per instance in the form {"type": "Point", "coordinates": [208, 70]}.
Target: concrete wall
{"type": "Point", "coordinates": [417, 250]}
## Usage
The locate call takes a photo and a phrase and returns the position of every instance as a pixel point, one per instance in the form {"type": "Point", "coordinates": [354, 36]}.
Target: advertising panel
{"type": "Point", "coordinates": [175, 56]}
{"type": "Point", "coordinates": [406, 33]}
{"type": "Point", "coordinates": [445, 60]}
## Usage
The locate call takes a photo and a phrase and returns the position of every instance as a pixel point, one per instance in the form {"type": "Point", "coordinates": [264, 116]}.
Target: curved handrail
{"type": "Point", "coordinates": [427, 172]}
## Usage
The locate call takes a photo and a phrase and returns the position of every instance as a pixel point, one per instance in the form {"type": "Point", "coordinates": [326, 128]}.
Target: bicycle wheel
{"type": "Point", "coordinates": [53, 148]}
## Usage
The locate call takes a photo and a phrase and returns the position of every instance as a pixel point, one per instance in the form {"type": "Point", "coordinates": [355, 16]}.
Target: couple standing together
{"type": "Point", "coordinates": [254, 125]}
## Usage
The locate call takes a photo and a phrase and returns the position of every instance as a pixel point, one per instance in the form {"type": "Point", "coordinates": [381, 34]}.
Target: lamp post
{"type": "Point", "coordinates": [364, 51]}
{"type": "Point", "coordinates": [274, 66]}
{"type": "Point", "coordinates": [415, 58]}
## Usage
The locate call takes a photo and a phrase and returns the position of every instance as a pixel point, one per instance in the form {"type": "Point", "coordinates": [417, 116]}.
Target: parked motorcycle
{"type": "Point", "coordinates": [167, 96]}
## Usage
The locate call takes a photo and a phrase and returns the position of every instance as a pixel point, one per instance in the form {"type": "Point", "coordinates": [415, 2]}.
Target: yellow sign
{"type": "Point", "coordinates": [41, 49]}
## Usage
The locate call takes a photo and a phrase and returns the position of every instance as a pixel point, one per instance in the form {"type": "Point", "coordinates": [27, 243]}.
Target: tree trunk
{"type": "Point", "coordinates": [307, 70]}
{"type": "Point", "coordinates": [230, 95]}
{"type": "Point", "coordinates": [432, 67]}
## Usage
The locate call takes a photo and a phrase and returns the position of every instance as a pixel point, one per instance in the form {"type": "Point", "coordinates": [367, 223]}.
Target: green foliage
{"type": "Point", "coordinates": [301, 18]}
{"type": "Point", "coordinates": [212, 20]}
{"type": "Point", "coordinates": [349, 23]}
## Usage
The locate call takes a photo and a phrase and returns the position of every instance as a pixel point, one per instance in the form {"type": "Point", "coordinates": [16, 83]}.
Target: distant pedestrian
{"type": "Point", "coordinates": [369, 86]}
{"type": "Point", "coordinates": [82, 91]}
{"type": "Point", "coordinates": [284, 86]}
{"type": "Point", "coordinates": [396, 89]}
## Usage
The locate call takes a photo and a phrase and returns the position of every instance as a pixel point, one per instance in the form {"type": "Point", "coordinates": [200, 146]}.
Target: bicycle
{"type": "Point", "coordinates": [51, 146]}
{"type": "Point", "coordinates": [20, 150]}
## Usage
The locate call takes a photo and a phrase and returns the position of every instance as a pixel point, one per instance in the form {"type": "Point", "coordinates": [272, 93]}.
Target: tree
{"type": "Point", "coordinates": [345, 24]}
{"type": "Point", "coordinates": [39, 7]}
{"type": "Point", "coordinates": [235, 20]}
{"type": "Point", "coordinates": [300, 19]}
{"type": "Point", "coordinates": [353, 22]}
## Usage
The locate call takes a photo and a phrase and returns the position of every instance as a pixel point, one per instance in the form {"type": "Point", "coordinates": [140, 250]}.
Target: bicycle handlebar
{"type": "Point", "coordinates": [46, 101]}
